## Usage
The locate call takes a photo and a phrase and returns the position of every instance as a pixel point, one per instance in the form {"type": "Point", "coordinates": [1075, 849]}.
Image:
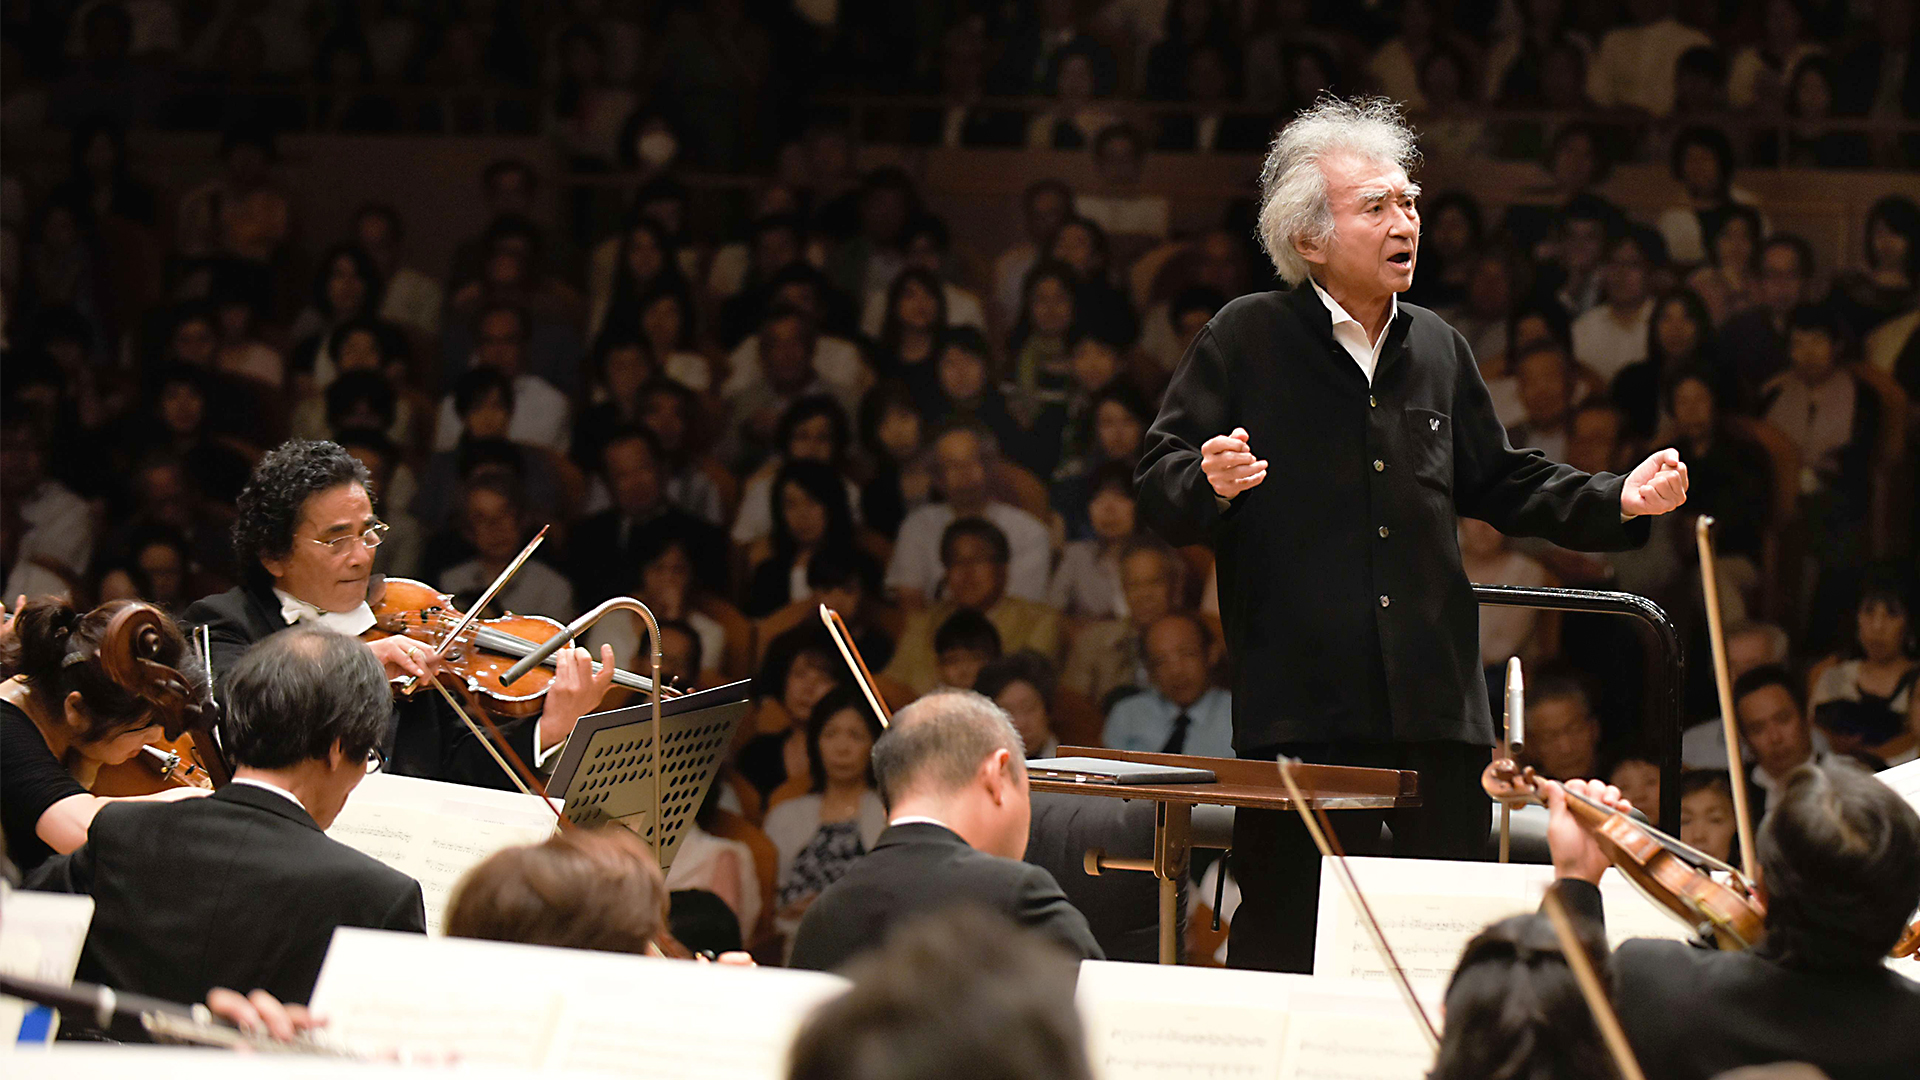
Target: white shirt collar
{"type": "Point", "coordinates": [351, 623]}
{"type": "Point", "coordinates": [251, 781]}
{"type": "Point", "coordinates": [1351, 335]}
{"type": "Point", "coordinates": [921, 819]}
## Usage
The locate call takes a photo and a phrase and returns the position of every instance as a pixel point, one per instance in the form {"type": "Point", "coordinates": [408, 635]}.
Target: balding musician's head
{"type": "Point", "coordinates": [954, 756]}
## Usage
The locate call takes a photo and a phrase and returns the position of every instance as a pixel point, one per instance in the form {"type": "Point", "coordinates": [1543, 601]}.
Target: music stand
{"type": "Point", "coordinates": [603, 775]}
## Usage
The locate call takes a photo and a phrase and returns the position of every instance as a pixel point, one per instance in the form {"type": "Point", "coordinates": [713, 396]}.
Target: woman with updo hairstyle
{"type": "Point", "coordinates": [63, 716]}
{"type": "Point", "coordinates": [1514, 1009]}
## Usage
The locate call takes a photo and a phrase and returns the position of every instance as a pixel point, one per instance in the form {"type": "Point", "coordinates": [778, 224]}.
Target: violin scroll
{"type": "Point", "coordinates": [1507, 781]}
{"type": "Point", "coordinates": [134, 638]}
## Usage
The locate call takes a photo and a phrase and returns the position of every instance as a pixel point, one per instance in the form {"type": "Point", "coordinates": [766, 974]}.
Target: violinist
{"type": "Point", "coordinates": [306, 532]}
{"type": "Point", "coordinates": [1839, 870]}
{"type": "Point", "coordinates": [62, 717]}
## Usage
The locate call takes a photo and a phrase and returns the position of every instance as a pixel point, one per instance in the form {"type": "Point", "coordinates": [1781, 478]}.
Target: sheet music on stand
{"type": "Point", "coordinates": [1904, 779]}
{"type": "Point", "coordinates": [604, 773]}
{"type": "Point", "coordinates": [1154, 1022]}
{"type": "Point", "coordinates": [41, 935]}
{"type": "Point", "coordinates": [565, 1011]}
{"type": "Point", "coordinates": [434, 831]}
{"type": "Point", "coordinates": [96, 1061]}
{"type": "Point", "coordinates": [1431, 908]}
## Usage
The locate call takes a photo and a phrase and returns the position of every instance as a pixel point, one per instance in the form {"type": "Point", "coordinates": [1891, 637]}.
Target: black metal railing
{"type": "Point", "coordinates": [1666, 666]}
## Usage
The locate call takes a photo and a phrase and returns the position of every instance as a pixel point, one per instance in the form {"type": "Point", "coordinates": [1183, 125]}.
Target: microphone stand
{"type": "Point", "coordinates": [574, 629]}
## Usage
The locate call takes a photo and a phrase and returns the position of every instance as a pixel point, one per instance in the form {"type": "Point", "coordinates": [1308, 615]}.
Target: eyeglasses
{"type": "Point", "coordinates": [372, 537]}
{"type": "Point", "coordinates": [376, 760]}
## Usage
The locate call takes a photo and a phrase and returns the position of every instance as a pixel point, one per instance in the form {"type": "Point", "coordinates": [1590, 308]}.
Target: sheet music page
{"type": "Point", "coordinates": [1430, 908]}
{"type": "Point", "coordinates": [1903, 779]}
{"type": "Point", "coordinates": [685, 1022]}
{"type": "Point", "coordinates": [565, 1011]}
{"type": "Point", "coordinates": [41, 935]}
{"type": "Point", "coordinates": [93, 1061]}
{"type": "Point", "coordinates": [1355, 1046]}
{"type": "Point", "coordinates": [1146, 1022]}
{"type": "Point", "coordinates": [434, 832]}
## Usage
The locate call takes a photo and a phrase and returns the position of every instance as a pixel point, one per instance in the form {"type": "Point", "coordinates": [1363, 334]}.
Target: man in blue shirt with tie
{"type": "Point", "coordinates": [1184, 713]}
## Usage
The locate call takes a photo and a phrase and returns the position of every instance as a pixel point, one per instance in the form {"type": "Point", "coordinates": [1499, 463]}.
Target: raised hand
{"type": "Point", "coordinates": [1229, 465]}
{"type": "Point", "coordinates": [1656, 485]}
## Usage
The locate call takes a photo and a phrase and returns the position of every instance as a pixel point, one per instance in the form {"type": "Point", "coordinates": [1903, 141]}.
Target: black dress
{"type": "Point", "coordinates": [31, 780]}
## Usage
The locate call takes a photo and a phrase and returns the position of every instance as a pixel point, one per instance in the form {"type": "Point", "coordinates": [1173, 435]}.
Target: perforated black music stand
{"type": "Point", "coordinates": [603, 773]}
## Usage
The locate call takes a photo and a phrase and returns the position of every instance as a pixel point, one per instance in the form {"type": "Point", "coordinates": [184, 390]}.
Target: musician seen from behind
{"type": "Point", "coordinates": [243, 888]}
{"type": "Point", "coordinates": [306, 533]}
{"type": "Point", "coordinates": [952, 769]}
{"type": "Point", "coordinates": [1349, 620]}
{"type": "Point", "coordinates": [1839, 871]}
{"type": "Point", "coordinates": [63, 716]}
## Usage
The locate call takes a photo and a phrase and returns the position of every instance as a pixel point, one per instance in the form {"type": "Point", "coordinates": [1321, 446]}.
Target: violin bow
{"type": "Point", "coordinates": [1598, 1003]}
{"type": "Point", "coordinates": [843, 640]}
{"type": "Point", "coordinates": [486, 598]}
{"type": "Point", "coordinates": [1723, 682]}
{"type": "Point", "coordinates": [1322, 832]}
{"type": "Point", "coordinates": [523, 777]}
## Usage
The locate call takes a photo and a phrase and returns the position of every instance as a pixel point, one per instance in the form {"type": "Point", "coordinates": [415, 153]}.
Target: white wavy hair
{"type": "Point", "coordinates": [1293, 190]}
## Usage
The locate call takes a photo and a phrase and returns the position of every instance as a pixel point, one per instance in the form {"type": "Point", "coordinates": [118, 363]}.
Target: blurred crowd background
{"type": "Point", "coordinates": [760, 304]}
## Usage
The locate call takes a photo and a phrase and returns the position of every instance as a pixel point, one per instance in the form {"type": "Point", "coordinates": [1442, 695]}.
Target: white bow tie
{"type": "Point", "coordinates": [352, 623]}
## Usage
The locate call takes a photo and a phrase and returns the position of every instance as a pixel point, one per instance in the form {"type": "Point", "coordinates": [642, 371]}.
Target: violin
{"type": "Point", "coordinates": [1669, 872]}
{"type": "Point", "coordinates": [167, 763]}
{"type": "Point", "coordinates": [483, 649]}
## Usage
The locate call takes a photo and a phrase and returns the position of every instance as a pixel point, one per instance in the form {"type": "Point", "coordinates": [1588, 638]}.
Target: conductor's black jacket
{"type": "Point", "coordinates": [1347, 613]}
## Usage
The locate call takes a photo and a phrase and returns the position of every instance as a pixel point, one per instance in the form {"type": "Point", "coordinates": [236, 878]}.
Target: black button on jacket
{"type": "Point", "coordinates": [1347, 613]}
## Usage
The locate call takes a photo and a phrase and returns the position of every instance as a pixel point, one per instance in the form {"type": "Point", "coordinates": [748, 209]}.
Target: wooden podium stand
{"type": "Point", "coordinates": [1248, 783]}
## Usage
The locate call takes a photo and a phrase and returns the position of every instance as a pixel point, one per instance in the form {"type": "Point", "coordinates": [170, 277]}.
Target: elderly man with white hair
{"type": "Point", "coordinates": [1350, 621]}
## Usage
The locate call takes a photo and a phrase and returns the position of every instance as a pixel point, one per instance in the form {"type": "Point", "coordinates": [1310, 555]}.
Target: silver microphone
{"type": "Point", "coordinates": [1516, 721]}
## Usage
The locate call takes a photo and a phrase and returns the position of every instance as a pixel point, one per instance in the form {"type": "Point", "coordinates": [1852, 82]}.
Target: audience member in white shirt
{"type": "Point", "coordinates": [1635, 64]}
{"type": "Point", "coordinates": [1614, 334]}
{"type": "Point", "coordinates": [56, 540]}
{"type": "Point", "coordinates": [962, 460]}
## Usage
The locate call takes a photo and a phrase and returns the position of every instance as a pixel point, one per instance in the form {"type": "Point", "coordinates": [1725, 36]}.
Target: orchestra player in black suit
{"type": "Point", "coordinates": [952, 770]}
{"type": "Point", "coordinates": [1839, 862]}
{"type": "Point", "coordinates": [306, 531]}
{"type": "Point", "coordinates": [243, 888]}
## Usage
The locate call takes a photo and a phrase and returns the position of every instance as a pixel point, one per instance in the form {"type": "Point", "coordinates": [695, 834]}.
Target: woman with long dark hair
{"type": "Point", "coordinates": [1679, 338]}
{"type": "Point", "coordinates": [908, 348]}
{"type": "Point", "coordinates": [810, 516]}
{"type": "Point", "coordinates": [63, 715]}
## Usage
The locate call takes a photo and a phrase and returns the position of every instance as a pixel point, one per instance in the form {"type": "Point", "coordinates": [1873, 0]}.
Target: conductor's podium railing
{"type": "Point", "coordinates": [1666, 664]}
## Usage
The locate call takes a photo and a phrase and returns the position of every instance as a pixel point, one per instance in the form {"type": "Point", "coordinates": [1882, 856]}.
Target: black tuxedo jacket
{"type": "Point", "coordinates": [426, 738]}
{"type": "Point", "coordinates": [918, 869]}
{"type": "Point", "coordinates": [1692, 1013]}
{"type": "Point", "coordinates": [1346, 609]}
{"type": "Point", "coordinates": [240, 889]}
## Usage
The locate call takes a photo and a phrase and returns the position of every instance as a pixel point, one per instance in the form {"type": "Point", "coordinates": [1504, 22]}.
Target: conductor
{"type": "Point", "coordinates": [1352, 626]}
